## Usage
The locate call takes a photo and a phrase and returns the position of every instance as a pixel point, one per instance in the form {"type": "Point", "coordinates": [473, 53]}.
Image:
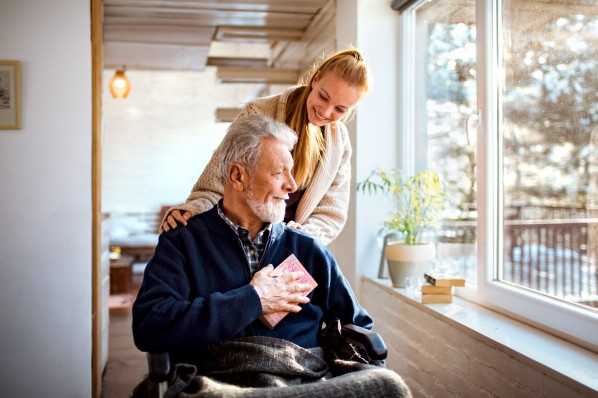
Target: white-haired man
{"type": "Point", "coordinates": [210, 282]}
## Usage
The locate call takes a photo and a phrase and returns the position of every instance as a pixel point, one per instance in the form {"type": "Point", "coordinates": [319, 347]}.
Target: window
{"type": "Point", "coordinates": [549, 140]}
{"type": "Point", "coordinates": [505, 106]}
{"type": "Point", "coordinates": [446, 117]}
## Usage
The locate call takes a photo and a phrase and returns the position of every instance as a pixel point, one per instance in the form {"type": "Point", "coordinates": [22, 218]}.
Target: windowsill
{"type": "Point", "coordinates": [529, 344]}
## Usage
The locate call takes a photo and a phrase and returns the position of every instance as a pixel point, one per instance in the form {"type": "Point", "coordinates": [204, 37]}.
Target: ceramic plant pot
{"type": "Point", "coordinates": [408, 260]}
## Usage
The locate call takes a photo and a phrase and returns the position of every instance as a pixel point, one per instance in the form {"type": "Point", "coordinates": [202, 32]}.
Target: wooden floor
{"type": "Point", "coordinates": [126, 364]}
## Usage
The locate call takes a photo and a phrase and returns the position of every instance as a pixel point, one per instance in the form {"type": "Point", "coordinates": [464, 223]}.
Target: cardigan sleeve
{"type": "Point", "coordinates": [329, 216]}
{"type": "Point", "coordinates": [208, 188]}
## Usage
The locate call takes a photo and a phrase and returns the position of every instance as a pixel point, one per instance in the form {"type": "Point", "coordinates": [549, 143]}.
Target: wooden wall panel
{"type": "Point", "coordinates": [319, 40]}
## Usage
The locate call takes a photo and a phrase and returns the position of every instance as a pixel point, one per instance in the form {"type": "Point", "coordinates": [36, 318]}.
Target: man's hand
{"type": "Point", "coordinates": [173, 217]}
{"type": "Point", "coordinates": [282, 293]}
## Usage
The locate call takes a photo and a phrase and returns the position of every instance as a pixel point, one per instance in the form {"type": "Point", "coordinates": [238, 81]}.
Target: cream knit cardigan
{"type": "Point", "coordinates": [322, 210]}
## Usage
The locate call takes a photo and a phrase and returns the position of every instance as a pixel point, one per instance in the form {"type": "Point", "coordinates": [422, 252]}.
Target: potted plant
{"type": "Point", "coordinates": [419, 200]}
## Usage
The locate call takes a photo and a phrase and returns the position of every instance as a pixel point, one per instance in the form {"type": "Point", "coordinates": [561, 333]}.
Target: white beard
{"type": "Point", "coordinates": [270, 212]}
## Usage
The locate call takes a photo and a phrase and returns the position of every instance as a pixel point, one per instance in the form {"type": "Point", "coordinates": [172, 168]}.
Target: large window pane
{"type": "Point", "coordinates": [550, 143]}
{"type": "Point", "coordinates": [446, 120]}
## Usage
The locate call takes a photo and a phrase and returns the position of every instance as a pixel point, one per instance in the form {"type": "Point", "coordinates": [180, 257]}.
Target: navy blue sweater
{"type": "Point", "coordinates": [196, 290]}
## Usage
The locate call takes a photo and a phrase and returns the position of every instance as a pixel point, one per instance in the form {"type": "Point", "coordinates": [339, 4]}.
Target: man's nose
{"type": "Point", "coordinates": [291, 185]}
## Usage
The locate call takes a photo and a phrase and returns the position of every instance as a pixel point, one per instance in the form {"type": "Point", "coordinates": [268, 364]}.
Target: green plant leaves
{"type": "Point", "coordinates": [419, 199]}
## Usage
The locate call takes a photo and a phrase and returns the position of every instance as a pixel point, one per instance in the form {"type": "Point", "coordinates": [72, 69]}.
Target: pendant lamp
{"type": "Point", "coordinates": [120, 84]}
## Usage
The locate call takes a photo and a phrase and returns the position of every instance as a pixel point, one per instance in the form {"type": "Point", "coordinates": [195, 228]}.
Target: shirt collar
{"type": "Point", "coordinates": [236, 227]}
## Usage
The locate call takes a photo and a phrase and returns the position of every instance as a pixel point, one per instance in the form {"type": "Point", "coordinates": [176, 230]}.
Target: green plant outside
{"type": "Point", "coordinates": [419, 199]}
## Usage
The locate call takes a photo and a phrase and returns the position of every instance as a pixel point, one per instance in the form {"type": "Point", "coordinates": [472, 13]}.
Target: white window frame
{"type": "Point", "coordinates": [570, 322]}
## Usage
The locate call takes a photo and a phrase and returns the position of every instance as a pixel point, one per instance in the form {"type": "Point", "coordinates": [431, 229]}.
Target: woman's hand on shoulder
{"type": "Point", "coordinates": [296, 225]}
{"type": "Point", "coordinates": [172, 219]}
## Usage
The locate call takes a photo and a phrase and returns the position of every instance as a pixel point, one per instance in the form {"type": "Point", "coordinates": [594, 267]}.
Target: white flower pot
{"type": "Point", "coordinates": [408, 260]}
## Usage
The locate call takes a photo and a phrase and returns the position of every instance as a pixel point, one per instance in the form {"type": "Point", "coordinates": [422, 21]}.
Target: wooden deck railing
{"type": "Point", "coordinates": [555, 254]}
{"type": "Point", "coordinates": [551, 256]}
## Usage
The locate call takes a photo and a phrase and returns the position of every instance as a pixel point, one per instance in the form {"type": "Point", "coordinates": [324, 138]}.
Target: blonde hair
{"type": "Point", "coordinates": [348, 65]}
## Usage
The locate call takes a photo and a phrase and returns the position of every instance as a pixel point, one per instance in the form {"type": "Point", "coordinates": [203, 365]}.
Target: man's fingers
{"type": "Point", "coordinates": [296, 299]}
{"type": "Point", "coordinates": [293, 276]}
{"type": "Point", "coordinates": [299, 299]}
{"type": "Point", "coordinates": [261, 275]}
{"type": "Point", "coordinates": [292, 308]}
{"type": "Point", "coordinates": [267, 269]}
{"type": "Point", "coordinates": [284, 293]}
{"type": "Point", "coordinates": [299, 287]}
{"type": "Point", "coordinates": [292, 303]}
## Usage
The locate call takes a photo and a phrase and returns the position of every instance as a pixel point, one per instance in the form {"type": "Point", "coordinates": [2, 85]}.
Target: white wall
{"type": "Point", "coordinates": [45, 196]}
{"type": "Point", "coordinates": [157, 141]}
{"type": "Point", "coordinates": [377, 126]}
{"type": "Point", "coordinates": [370, 25]}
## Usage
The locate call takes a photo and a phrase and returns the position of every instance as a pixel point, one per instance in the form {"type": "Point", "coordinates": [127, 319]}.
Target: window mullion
{"type": "Point", "coordinates": [406, 112]}
{"type": "Point", "coordinates": [488, 143]}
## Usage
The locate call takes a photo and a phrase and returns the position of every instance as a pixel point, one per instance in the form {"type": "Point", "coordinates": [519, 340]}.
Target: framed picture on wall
{"type": "Point", "coordinates": [10, 95]}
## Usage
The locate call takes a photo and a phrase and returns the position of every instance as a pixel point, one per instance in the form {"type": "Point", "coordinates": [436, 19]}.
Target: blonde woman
{"type": "Point", "coordinates": [322, 168]}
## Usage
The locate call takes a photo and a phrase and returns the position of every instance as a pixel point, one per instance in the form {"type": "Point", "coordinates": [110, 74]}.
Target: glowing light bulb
{"type": "Point", "coordinates": [120, 85]}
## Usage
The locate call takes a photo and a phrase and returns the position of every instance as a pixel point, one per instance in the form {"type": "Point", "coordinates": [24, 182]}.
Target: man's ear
{"type": "Point", "coordinates": [237, 176]}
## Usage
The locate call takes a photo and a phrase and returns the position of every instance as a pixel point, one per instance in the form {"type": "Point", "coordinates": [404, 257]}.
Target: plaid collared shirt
{"type": "Point", "coordinates": [254, 250]}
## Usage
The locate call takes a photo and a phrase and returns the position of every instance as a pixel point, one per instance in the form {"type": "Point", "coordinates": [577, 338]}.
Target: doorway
{"type": "Point", "coordinates": [284, 30]}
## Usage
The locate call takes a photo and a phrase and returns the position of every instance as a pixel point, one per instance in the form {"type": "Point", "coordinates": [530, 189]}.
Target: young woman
{"type": "Point", "coordinates": [322, 155]}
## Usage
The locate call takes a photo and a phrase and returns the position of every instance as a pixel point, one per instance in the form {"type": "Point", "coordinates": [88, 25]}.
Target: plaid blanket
{"type": "Point", "coordinates": [273, 368]}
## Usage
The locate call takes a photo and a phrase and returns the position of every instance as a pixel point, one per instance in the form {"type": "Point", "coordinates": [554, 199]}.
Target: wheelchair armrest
{"type": "Point", "coordinates": [158, 364]}
{"type": "Point", "coordinates": [369, 340]}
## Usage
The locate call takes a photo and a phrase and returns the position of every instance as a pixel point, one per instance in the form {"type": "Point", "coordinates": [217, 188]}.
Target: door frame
{"type": "Point", "coordinates": [96, 191]}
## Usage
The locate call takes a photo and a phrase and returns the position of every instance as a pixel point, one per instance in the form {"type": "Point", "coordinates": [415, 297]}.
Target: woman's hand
{"type": "Point", "coordinates": [173, 217]}
{"type": "Point", "coordinates": [296, 225]}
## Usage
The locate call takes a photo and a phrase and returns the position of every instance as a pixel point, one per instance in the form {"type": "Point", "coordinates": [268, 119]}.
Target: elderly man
{"type": "Point", "coordinates": [210, 282]}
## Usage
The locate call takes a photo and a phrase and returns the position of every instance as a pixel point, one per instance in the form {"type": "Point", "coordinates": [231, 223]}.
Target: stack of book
{"type": "Point", "coordinates": [439, 288]}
